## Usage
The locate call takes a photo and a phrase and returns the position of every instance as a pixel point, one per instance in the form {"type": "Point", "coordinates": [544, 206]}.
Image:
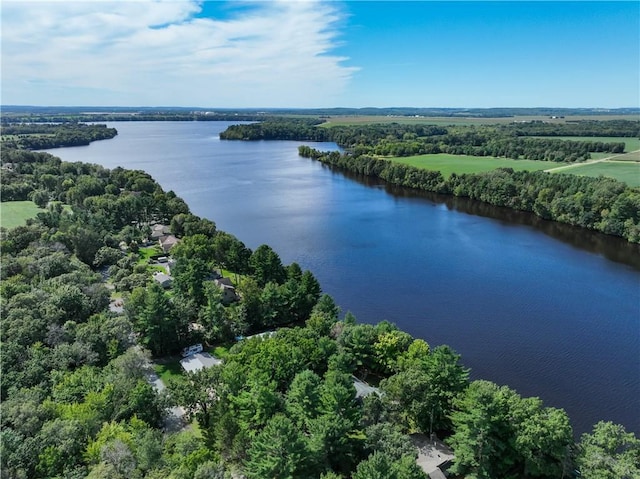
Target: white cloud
{"type": "Point", "coordinates": [148, 52]}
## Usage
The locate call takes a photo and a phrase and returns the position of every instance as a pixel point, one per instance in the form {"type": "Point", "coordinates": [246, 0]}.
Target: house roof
{"type": "Point", "coordinates": [168, 242]}
{"type": "Point", "coordinates": [199, 361]}
{"type": "Point", "coordinates": [363, 389]}
{"type": "Point", "coordinates": [158, 230]}
{"type": "Point", "coordinates": [215, 274]}
{"type": "Point", "coordinates": [437, 474]}
{"type": "Point", "coordinates": [223, 282]}
{"type": "Point", "coordinates": [162, 277]}
{"type": "Point", "coordinates": [265, 335]}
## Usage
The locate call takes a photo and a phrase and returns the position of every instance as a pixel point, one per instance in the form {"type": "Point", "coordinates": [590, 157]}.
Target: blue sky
{"type": "Point", "coordinates": [321, 53]}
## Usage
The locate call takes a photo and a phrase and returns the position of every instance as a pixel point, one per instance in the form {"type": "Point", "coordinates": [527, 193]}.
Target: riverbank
{"type": "Point", "coordinates": [443, 268]}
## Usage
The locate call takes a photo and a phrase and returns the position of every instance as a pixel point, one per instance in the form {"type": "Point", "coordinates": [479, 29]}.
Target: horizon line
{"type": "Point", "coordinates": [2, 106]}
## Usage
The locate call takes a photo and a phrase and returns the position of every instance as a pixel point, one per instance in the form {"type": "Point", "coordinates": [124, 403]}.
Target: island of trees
{"type": "Point", "coordinates": [83, 317]}
{"type": "Point", "coordinates": [601, 204]}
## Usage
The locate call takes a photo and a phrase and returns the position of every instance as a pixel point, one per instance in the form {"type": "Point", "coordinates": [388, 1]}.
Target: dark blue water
{"type": "Point", "coordinates": [546, 309]}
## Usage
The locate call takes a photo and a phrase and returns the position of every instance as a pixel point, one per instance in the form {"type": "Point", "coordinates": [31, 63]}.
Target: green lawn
{"type": "Point", "coordinates": [156, 267]}
{"type": "Point", "coordinates": [622, 171]}
{"type": "Point", "coordinates": [235, 278]}
{"type": "Point", "coordinates": [15, 213]}
{"type": "Point", "coordinates": [169, 369]}
{"type": "Point", "coordinates": [447, 164]}
{"type": "Point", "coordinates": [147, 252]}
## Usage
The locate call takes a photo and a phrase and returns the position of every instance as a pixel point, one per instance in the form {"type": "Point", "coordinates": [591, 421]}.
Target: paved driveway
{"type": "Point", "coordinates": [175, 419]}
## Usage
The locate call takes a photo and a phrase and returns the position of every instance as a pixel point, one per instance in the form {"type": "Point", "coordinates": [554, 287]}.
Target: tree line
{"type": "Point", "coordinates": [74, 118]}
{"type": "Point", "coordinates": [40, 136]}
{"type": "Point", "coordinates": [76, 401]}
{"type": "Point", "coordinates": [601, 204]}
{"type": "Point", "coordinates": [515, 141]}
{"type": "Point", "coordinates": [621, 128]}
{"type": "Point", "coordinates": [278, 129]}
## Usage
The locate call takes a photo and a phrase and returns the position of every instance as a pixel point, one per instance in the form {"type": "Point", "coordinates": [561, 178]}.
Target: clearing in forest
{"type": "Point", "coordinates": [16, 213]}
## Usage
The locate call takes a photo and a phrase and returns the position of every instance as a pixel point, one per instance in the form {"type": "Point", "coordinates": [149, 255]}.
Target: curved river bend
{"type": "Point", "coordinates": [549, 310]}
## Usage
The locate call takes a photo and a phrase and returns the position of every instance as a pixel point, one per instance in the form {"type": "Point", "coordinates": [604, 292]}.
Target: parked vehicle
{"type": "Point", "coordinates": [188, 351]}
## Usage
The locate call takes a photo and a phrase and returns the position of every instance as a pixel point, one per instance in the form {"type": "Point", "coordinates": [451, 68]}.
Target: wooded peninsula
{"type": "Point", "coordinates": [115, 277]}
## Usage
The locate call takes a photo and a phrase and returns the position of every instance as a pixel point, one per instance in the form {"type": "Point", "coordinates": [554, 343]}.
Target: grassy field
{"type": "Point", "coordinates": [15, 213]}
{"type": "Point", "coordinates": [633, 156]}
{"type": "Point", "coordinates": [620, 170]}
{"type": "Point", "coordinates": [626, 171]}
{"type": "Point", "coordinates": [403, 120]}
{"type": "Point", "coordinates": [447, 164]}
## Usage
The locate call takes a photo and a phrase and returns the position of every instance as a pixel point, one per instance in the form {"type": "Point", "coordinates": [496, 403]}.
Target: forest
{"type": "Point", "coordinates": [600, 204]}
{"type": "Point", "coordinates": [514, 140]}
{"type": "Point", "coordinates": [75, 390]}
{"type": "Point", "coordinates": [41, 136]}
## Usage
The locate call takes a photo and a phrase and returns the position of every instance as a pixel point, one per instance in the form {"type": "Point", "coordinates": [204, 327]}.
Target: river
{"type": "Point", "coordinates": [547, 309]}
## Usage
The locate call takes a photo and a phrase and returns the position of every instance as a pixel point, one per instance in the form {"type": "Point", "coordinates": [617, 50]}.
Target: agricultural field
{"type": "Point", "coordinates": [458, 120]}
{"type": "Point", "coordinates": [447, 164]}
{"type": "Point", "coordinates": [633, 156]}
{"type": "Point", "coordinates": [626, 171]}
{"type": "Point", "coordinates": [408, 120]}
{"type": "Point", "coordinates": [15, 213]}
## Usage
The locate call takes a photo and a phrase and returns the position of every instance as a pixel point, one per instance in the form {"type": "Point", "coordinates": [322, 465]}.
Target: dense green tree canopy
{"type": "Point", "coordinates": [609, 452]}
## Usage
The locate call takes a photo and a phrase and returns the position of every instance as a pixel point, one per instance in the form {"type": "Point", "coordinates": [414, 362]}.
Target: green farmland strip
{"type": "Point", "coordinates": [633, 156]}
{"type": "Point", "coordinates": [343, 120]}
{"type": "Point", "coordinates": [459, 164]}
{"type": "Point", "coordinates": [622, 171]}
